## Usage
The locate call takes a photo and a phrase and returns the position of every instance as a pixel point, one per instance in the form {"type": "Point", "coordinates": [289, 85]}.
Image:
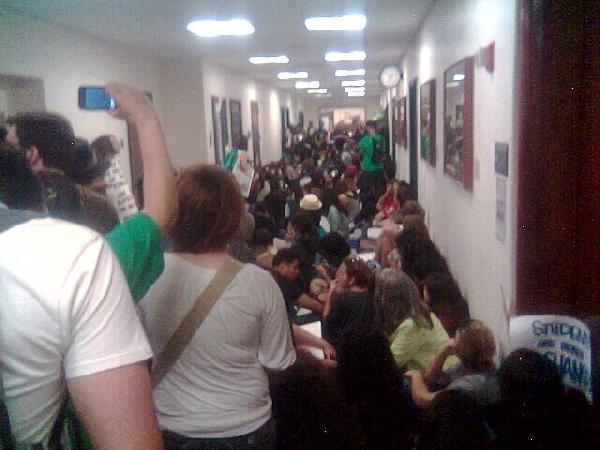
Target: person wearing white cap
{"type": "Point", "coordinates": [311, 203]}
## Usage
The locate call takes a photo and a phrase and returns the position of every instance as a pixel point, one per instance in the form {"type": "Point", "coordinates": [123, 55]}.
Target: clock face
{"type": "Point", "coordinates": [390, 76]}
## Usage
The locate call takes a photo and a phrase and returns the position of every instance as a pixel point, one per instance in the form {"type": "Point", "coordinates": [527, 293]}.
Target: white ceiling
{"type": "Point", "coordinates": [160, 28]}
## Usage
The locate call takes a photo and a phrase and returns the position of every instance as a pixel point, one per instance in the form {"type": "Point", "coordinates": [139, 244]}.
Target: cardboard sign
{"type": "Point", "coordinates": [564, 340]}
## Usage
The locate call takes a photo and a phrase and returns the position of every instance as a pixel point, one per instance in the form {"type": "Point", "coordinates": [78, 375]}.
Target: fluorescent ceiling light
{"type": "Point", "coordinates": [212, 28]}
{"type": "Point", "coordinates": [282, 59]}
{"type": "Point", "coordinates": [459, 77]}
{"type": "Point", "coordinates": [357, 55]}
{"type": "Point", "coordinates": [353, 83]}
{"type": "Point", "coordinates": [317, 91]}
{"type": "Point", "coordinates": [355, 89]}
{"type": "Point", "coordinates": [323, 96]}
{"type": "Point", "coordinates": [291, 75]}
{"type": "Point", "coordinates": [350, 73]}
{"type": "Point", "coordinates": [307, 85]}
{"type": "Point", "coordinates": [350, 22]}
{"type": "Point", "coordinates": [453, 84]}
{"type": "Point", "coordinates": [356, 94]}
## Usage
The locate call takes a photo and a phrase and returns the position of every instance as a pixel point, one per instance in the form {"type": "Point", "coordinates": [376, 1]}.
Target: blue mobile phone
{"type": "Point", "coordinates": [93, 97]}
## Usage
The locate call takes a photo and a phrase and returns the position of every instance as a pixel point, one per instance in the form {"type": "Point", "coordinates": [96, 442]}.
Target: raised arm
{"type": "Point", "coordinates": [160, 197]}
{"type": "Point", "coordinates": [435, 369]}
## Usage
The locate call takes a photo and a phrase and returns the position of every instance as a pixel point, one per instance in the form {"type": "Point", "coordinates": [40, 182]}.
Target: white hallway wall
{"type": "Point", "coordinates": [462, 223]}
{"type": "Point", "coordinates": [65, 59]}
{"type": "Point", "coordinates": [222, 83]}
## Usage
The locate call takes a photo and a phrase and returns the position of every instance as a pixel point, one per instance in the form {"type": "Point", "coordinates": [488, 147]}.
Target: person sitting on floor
{"type": "Point", "coordinates": [349, 303]}
{"type": "Point", "coordinates": [416, 334]}
{"type": "Point", "coordinates": [475, 347]}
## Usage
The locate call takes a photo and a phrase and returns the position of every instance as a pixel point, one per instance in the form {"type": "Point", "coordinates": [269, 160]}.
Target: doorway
{"type": "Point", "coordinates": [412, 139]}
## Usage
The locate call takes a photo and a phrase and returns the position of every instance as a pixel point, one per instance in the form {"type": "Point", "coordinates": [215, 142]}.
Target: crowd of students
{"type": "Point", "coordinates": [216, 287]}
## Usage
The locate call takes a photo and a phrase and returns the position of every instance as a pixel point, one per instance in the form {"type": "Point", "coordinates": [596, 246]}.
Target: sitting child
{"type": "Point", "coordinates": [475, 374]}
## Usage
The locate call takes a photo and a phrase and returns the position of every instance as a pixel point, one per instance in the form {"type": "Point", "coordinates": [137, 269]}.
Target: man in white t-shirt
{"type": "Point", "coordinates": [67, 321]}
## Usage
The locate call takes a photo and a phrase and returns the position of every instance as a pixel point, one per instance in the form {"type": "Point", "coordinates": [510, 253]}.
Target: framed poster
{"type": "Point", "coordinates": [255, 131]}
{"type": "Point", "coordinates": [458, 122]}
{"type": "Point", "coordinates": [235, 114]}
{"type": "Point", "coordinates": [427, 121]}
{"type": "Point", "coordinates": [400, 124]}
{"type": "Point", "coordinates": [224, 128]}
{"type": "Point", "coordinates": [214, 103]}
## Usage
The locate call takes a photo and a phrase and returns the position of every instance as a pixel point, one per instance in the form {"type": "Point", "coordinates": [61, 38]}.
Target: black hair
{"type": "Point", "coordinates": [285, 255]}
{"type": "Point", "coordinates": [86, 167]}
{"type": "Point", "coordinates": [303, 222]}
{"type": "Point", "coordinates": [334, 248]}
{"type": "Point", "coordinates": [372, 384]}
{"type": "Point", "coordinates": [3, 134]}
{"type": "Point", "coordinates": [454, 422]}
{"type": "Point", "coordinates": [20, 188]}
{"type": "Point", "coordinates": [51, 134]}
{"type": "Point", "coordinates": [262, 237]}
{"type": "Point", "coordinates": [445, 300]}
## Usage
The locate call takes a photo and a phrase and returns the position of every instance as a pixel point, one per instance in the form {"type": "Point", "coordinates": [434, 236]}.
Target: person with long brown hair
{"type": "Point", "coordinates": [216, 394]}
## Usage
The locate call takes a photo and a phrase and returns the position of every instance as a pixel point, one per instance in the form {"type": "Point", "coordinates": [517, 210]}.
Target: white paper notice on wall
{"type": "Point", "coordinates": [564, 340]}
{"type": "Point", "coordinates": [501, 209]}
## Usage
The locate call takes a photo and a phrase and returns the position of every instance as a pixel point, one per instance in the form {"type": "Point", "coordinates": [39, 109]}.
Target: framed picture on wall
{"type": "Point", "coordinates": [400, 123]}
{"type": "Point", "coordinates": [427, 122]}
{"type": "Point", "coordinates": [214, 104]}
{"type": "Point", "coordinates": [255, 131]}
{"type": "Point", "coordinates": [224, 128]}
{"type": "Point", "coordinates": [458, 122]}
{"type": "Point", "coordinates": [235, 113]}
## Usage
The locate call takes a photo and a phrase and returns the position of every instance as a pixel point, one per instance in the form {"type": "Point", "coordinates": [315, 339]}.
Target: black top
{"type": "Point", "coordinates": [291, 292]}
{"type": "Point", "coordinates": [349, 310]}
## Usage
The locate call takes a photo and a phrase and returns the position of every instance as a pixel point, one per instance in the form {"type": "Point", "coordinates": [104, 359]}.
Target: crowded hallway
{"type": "Point", "coordinates": [341, 226]}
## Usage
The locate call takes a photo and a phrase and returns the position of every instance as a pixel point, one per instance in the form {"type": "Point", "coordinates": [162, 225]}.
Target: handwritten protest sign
{"type": "Point", "coordinates": [564, 340]}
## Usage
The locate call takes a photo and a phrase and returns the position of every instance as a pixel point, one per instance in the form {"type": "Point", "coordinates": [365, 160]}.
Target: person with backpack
{"type": "Point", "coordinates": [373, 152]}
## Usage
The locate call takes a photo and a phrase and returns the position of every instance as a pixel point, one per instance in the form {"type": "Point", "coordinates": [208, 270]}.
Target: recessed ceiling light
{"type": "Point", "coordinates": [282, 59]}
{"type": "Point", "coordinates": [317, 91]}
{"type": "Point", "coordinates": [212, 28]}
{"type": "Point", "coordinates": [357, 55]}
{"type": "Point", "coordinates": [355, 89]}
{"type": "Point", "coordinates": [356, 94]}
{"type": "Point", "coordinates": [350, 22]}
{"type": "Point", "coordinates": [353, 83]}
{"type": "Point", "coordinates": [291, 75]}
{"type": "Point", "coordinates": [350, 73]}
{"type": "Point", "coordinates": [459, 77]}
{"type": "Point", "coordinates": [323, 96]}
{"type": "Point", "coordinates": [307, 85]}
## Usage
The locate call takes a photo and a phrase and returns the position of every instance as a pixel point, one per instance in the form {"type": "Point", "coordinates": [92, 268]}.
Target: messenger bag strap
{"type": "Point", "coordinates": [184, 334]}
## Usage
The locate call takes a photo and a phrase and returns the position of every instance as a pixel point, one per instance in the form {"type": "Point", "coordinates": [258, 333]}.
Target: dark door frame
{"type": "Point", "coordinates": [558, 185]}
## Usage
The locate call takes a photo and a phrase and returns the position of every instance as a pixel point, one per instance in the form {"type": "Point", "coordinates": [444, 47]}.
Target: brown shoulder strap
{"type": "Point", "coordinates": [184, 334]}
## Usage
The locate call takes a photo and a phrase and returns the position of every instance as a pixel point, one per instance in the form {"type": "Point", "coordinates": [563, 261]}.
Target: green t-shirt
{"type": "Point", "coordinates": [415, 347]}
{"type": "Point", "coordinates": [367, 148]}
{"type": "Point", "coordinates": [138, 245]}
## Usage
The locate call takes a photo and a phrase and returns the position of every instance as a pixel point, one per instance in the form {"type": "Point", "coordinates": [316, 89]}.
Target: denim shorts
{"type": "Point", "coordinates": [261, 439]}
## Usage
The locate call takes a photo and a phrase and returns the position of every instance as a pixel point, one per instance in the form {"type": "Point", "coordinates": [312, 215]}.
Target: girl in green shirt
{"type": "Point", "coordinates": [416, 334]}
